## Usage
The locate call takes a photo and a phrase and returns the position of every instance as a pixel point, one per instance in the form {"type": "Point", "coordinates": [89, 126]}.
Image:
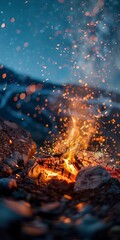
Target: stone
{"type": "Point", "coordinates": [14, 153]}
{"type": "Point", "coordinates": [64, 224]}
{"type": "Point", "coordinates": [7, 183]}
{"type": "Point", "coordinates": [90, 178]}
{"type": "Point", "coordinates": [89, 227]}
{"type": "Point", "coordinates": [5, 170]}
{"type": "Point", "coordinates": [50, 209]}
{"type": "Point", "coordinates": [12, 212]}
{"type": "Point", "coordinates": [19, 207]}
{"type": "Point", "coordinates": [34, 228]}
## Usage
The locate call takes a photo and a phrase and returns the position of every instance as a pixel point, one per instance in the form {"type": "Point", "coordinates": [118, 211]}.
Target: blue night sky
{"type": "Point", "coordinates": [62, 41]}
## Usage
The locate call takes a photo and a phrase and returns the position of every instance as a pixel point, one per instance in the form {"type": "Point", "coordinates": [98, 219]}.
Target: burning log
{"type": "Point", "coordinates": [50, 166]}
{"type": "Point", "coordinates": [49, 171]}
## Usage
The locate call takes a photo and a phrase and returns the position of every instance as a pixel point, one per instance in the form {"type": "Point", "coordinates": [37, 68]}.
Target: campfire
{"type": "Point", "coordinates": [69, 152]}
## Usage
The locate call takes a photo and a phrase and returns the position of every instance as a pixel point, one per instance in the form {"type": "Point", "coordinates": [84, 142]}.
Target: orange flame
{"type": "Point", "coordinates": [79, 130]}
{"type": "Point", "coordinates": [70, 151]}
{"type": "Point", "coordinates": [76, 138]}
{"type": "Point", "coordinates": [49, 174]}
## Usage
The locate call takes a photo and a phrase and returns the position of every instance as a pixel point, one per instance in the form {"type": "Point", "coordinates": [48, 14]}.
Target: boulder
{"type": "Point", "coordinates": [91, 178]}
{"type": "Point", "coordinates": [16, 147]}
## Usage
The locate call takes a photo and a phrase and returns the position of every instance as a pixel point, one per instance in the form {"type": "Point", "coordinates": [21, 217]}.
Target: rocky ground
{"type": "Point", "coordinates": [53, 210]}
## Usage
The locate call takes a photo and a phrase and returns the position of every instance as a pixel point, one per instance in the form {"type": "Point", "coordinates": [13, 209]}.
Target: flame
{"type": "Point", "coordinates": [49, 174]}
{"type": "Point", "coordinates": [70, 150]}
{"type": "Point", "coordinates": [80, 128]}
{"type": "Point", "coordinates": [76, 138]}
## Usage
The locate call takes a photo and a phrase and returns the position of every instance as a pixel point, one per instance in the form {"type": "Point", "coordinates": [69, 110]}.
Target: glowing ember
{"type": "Point", "coordinates": [45, 175]}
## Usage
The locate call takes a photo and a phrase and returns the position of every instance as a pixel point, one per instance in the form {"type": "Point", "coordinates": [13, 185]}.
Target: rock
{"type": "Point", "coordinates": [11, 162]}
{"type": "Point", "coordinates": [65, 199]}
{"type": "Point", "coordinates": [63, 225]}
{"type": "Point", "coordinates": [50, 209]}
{"type": "Point", "coordinates": [19, 207]}
{"type": "Point", "coordinates": [12, 212]}
{"type": "Point", "coordinates": [16, 147]}
{"type": "Point", "coordinates": [114, 187]}
{"type": "Point", "coordinates": [90, 227]}
{"type": "Point", "coordinates": [5, 170]}
{"type": "Point", "coordinates": [7, 184]}
{"type": "Point", "coordinates": [82, 210]}
{"type": "Point", "coordinates": [116, 212]}
{"type": "Point", "coordinates": [34, 228]}
{"type": "Point", "coordinates": [91, 178]}
{"type": "Point", "coordinates": [86, 210]}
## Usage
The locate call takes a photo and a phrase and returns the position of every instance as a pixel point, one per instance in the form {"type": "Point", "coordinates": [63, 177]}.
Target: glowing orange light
{"type": "Point", "coordinates": [10, 141]}
{"type": "Point", "coordinates": [4, 75]}
{"type": "Point", "coordinates": [22, 96]}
